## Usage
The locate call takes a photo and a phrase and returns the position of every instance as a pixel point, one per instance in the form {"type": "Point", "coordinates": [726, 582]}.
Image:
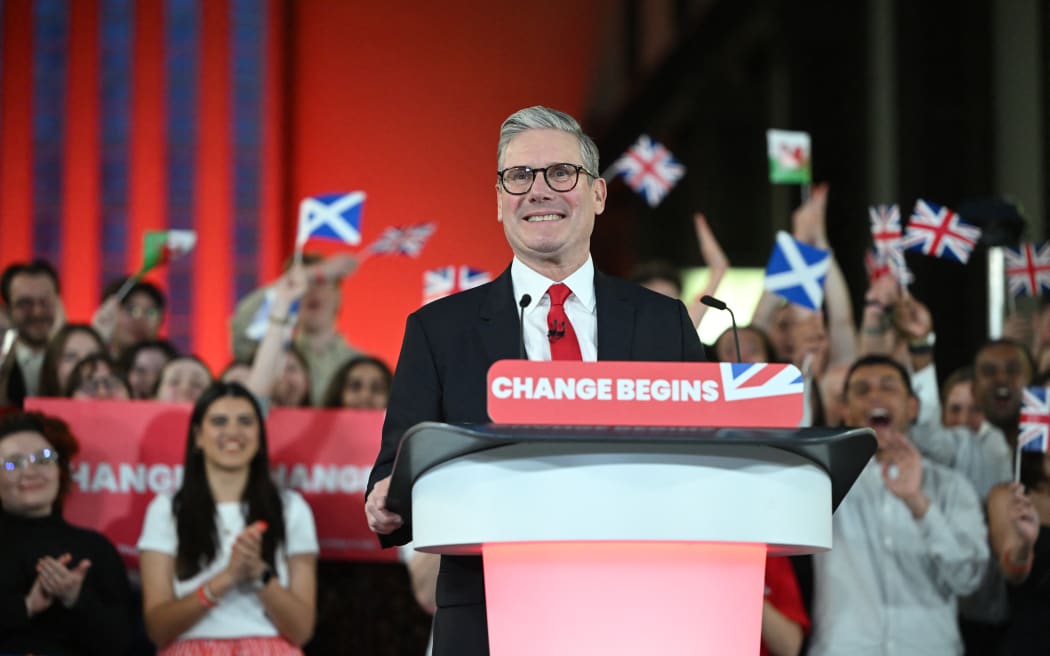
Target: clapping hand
{"type": "Point", "coordinates": [246, 563]}
{"type": "Point", "coordinates": [60, 582]}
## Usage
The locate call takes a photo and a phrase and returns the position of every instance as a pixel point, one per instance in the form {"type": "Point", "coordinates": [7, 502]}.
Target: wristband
{"type": "Point", "coordinates": [1011, 568]}
{"type": "Point", "coordinates": [280, 321]}
{"type": "Point", "coordinates": [205, 596]}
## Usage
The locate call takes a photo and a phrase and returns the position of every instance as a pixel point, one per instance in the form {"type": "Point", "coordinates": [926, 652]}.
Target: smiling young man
{"type": "Point", "coordinates": [909, 538]}
{"type": "Point", "coordinates": [548, 194]}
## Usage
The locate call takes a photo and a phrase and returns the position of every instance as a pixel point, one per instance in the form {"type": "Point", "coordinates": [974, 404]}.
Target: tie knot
{"type": "Point", "coordinates": [558, 293]}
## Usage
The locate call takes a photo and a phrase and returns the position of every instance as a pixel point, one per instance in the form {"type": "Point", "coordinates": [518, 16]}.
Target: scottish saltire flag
{"type": "Point", "coordinates": [1028, 269]}
{"type": "Point", "coordinates": [790, 157]}
{"type": "Point", "coordinates": [797, 271]}
{"type": "Point", "coordinates": [1034, 430]}
{"type": "Point", "coordinates": [649, 169]}
{"type": "Point", "coordinates": [447, 280]}
{"type": "Point", "coordinates": [331, 216]}
{"type": "Point", "coordinates": [760, 380]}
{"type": "Point", "coordinates": [261, 319]}
{"type": "Point", "coordinates": [403, 241]}
{"type": "Point", "coordinates": [885, 226]}
{"type": "Point", "coordinates": [937, 231]}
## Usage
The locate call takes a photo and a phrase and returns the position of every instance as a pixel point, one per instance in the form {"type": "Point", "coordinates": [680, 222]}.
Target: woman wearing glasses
{"type": "Point", "coordinates": [228, 563]}
{"type": "Point", "coordinates": [63, 589]}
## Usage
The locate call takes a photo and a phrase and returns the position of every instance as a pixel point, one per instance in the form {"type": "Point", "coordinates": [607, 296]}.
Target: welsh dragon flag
{"type": "Point", "coordinates": [163, 246]}
{"type": "Point", "coordinates": [790, 157]}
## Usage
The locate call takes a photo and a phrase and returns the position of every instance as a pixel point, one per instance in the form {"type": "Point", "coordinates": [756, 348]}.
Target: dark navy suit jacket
{"type": "Point", "coordinates": [448, 347]}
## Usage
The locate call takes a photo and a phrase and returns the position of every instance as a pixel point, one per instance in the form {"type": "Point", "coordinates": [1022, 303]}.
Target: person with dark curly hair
{"type": "Point", "coordinates": [63, 589]}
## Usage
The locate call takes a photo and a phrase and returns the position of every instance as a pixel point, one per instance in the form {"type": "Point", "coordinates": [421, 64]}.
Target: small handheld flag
{"type": "Point", "coordinates": [797, 271]}
{"type": "Point", "coordinates": [335, 217]}
{"type": "Point", "coordinates": [159, 247]}
{"type": "Point", "coordinates": [885, 226]}
{"type": "Point", "coordinates": [1034, 430]}
{"type": "Point", "coordinates": [403, 241]}
{"type": "Point", "coordinates": [256, 330]}
{"type": "Point", "coordinates": [790, 157]}
{"type": "Point", "coordinates": [163, 246]}
{"type": "Point", "coordinates": [1028, 269]}
{"type": "Point", "coordinates": [447, 280]}
{"type": "Point", "coordinates": [649, 169]}
{"type": "Point", "coordinates": [939, 232]}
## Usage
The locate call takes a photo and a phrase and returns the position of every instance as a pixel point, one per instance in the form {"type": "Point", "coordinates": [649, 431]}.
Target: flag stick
{"type": "Point", "coordinates": [9, 340]}
{"type": "Point", "coordinates": [996, 284]}
{"type": "Point", "coordinates": [126, 287]}
{"type": "Point", "coordinates": [805, 188]}
{"type": "Point", "coordinates": [1017, 463]}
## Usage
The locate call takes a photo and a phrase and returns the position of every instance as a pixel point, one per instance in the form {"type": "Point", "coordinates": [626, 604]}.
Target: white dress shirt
{"type": "Point", "coordinates": [580, 307]}
{"type": "Point", "coordinates": [890, 583]}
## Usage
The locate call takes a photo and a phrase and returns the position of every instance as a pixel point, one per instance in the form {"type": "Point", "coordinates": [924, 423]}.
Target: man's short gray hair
{"type": "Point", "coordinates": [540, 118]}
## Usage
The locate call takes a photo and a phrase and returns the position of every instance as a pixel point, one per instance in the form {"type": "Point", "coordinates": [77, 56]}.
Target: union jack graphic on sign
{"type": "Point", "coordinates": [938, 231]}
{"type": "Point", "coordinates": [447, 280]}
{"type": "Point", "coordinates": [1034, 433]}
{"type": "Point", "coordinates": [742, 381]}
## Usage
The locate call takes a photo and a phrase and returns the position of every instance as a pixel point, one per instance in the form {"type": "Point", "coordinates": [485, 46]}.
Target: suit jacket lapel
{"type": "Point", "coordinates": [615, 319]}
{"type": "Point", "coordinates": [499, 328]}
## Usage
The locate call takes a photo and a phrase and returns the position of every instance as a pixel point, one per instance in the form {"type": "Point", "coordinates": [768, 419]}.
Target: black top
{"type": "Point", "coordinates": [1030, 605]}
{"type": "Point", "coordinates": [99, 622]}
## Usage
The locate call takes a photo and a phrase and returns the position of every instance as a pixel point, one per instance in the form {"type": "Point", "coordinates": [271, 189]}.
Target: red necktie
{"type": "Point", "coordinates": [564, 345]}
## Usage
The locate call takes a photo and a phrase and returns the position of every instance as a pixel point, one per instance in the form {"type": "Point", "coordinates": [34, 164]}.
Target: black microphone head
{"type": "Point", "coordinates": [524, 302]}
{"type": "Point", "coordinates": [711, 301]}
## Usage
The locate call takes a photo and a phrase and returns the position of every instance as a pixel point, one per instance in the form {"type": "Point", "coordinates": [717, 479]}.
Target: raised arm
{"type": "Point", "coordinates": [717, 265]}
{"type": "Point", "coordinates": [269, 357]}
{"type": "Point", "coordinates": [809, 224]}
{"type": "Point", "coordinates": [1013, 525]}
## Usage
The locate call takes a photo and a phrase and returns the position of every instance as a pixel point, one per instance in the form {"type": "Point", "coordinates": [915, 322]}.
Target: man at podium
{"type": "Point", "coordinates": [549, 304]}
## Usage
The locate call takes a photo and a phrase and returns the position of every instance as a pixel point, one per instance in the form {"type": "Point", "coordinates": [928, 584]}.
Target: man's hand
{"type": "Point", "coordinates": [381, 520]}
{"type": "Point", "coordinates": [902, 472]}
{"type": "Point", "coordinates": [61, 582]}
{"type": "Point", "coordinates": [912, 318]}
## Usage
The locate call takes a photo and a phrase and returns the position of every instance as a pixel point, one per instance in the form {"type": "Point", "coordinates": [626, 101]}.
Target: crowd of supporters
{"type": "Point", "coordinates": [942, 546]}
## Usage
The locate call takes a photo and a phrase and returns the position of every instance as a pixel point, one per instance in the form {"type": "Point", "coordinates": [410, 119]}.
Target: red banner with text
{"type": "Point", "coordinates": [720, 394]}
{"type": "Point", "coordinates": [131, 451]}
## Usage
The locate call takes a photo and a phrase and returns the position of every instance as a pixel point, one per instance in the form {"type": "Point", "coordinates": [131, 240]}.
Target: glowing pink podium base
{"type": "Point", "coordinates": [629, 598]}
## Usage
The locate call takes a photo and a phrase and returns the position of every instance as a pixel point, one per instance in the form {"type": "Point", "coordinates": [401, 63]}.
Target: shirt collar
{"type": "Point", "coordinates": [528, 281]}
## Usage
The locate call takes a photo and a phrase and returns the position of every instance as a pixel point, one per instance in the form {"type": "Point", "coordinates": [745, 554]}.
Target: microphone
{"type": "Point", "coordinates": [522, 304]}
{"type": "Point", "coordinates": [712, 302]}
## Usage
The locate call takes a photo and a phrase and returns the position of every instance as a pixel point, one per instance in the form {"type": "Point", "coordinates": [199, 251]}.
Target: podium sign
{"type": "Point", "coordinates": [761, 395]}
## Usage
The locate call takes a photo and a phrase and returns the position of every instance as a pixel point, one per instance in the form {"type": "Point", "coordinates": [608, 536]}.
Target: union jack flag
{"type": "Point", "coordinates": [649, 169]}
{"type": "Point", "coordinates": [1034, 433]}
{"type": "Point", "coordinates": [1028, 269]}
{"type": "Point", "coordinates": [888, 263]}
{"type": "Point", "coordinates": [760, 380]}
{"type": "Point", "coordinates": [447, 280]}
{"type": "Point", "coordinates": [938, 231]}
{"type": "Point", "coordinates": [403, 241]}
{"type": "Point", "coordinates": [885, 226]}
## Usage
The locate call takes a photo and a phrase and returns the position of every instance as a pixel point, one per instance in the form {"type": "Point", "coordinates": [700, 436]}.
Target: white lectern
{"type": "Point", "coordinates": [606, 540]}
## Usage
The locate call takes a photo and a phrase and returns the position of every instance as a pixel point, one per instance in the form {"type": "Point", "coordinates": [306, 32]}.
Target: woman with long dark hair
{"type": "Point", "coordinates": [229, 563]}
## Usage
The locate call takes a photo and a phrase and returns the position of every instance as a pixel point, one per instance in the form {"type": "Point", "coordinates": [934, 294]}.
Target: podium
{"type": "Point", "coordinates": [623, 540]}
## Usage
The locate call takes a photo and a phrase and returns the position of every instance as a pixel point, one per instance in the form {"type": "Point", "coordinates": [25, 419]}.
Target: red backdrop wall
{"type": "Point", "coordinates": [404, 104]}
